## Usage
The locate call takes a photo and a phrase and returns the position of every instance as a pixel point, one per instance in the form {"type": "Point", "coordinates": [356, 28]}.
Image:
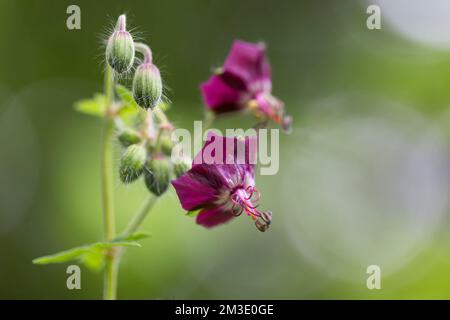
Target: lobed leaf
{"type": "Point", "coordinates": [136, 236]}
{"type": "Point", "coordinates": [126, 96]}
{"type": "Point", "coordinates": [91, 254]}
{"type": "Point", "coordinates": [129, 111]}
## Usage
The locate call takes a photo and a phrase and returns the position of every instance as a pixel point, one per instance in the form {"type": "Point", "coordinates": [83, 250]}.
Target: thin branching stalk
{"type": "Point", "coordinates": [140, 215]}
{"type": "Point", "coordinates": [132, 227]}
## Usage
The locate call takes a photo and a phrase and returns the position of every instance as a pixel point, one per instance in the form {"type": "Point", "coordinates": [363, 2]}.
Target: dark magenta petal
{"type": "Point", "coordinates": [228, 150]}
{"type": "Point", "coordinates": [246, 73]}
{"type": "Point", "coordinates": [210, 175]}
{"type": "Point", "coordinates": [247, 63]}
{"type": "Point", "coordinates": [208, 186]}
{"type": "Point", "coordinates": [222, 177]}
{"type": "Point", "coordinates": [194, 192]}
{"type": "Point", "coordinates": [212, 217]}
{"type": "Point", "coordinates": [221, 97]}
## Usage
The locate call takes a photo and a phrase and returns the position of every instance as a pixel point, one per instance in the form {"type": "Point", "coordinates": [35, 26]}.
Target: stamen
{"type": "Point", "coordinates": [255, 195]}
{"type": "Point", "coordinates": [247, 200]}
{"type": "Point", "coordinates": [261, 225]}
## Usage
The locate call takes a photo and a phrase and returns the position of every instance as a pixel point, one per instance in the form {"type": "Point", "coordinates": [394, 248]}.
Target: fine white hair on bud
{"type": "Point", "coordinates": [157, 175]}
{"type": "Point", "coordinates": [128, 137]}
{"type": "Point", "coordinates": [120, 47]}
{"type": "Point", "coordinates": [132, 163]}
{"type": "Point", "coordinates": [180, 168]}
{"type": "Point", "coordinates": [147, 86]}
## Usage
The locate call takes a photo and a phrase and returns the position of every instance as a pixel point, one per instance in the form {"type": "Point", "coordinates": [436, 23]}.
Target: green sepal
{"type": "Point", "coordinates": [193, 213]}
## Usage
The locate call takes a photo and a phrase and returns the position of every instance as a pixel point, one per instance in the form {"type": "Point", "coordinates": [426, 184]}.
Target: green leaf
{"type": "Point", "coordinates": [126, 96]}
{"type": "Point", "coordinates": [137, 236]}
{"type": "Point", "coordinates": [129, 112]}
{"type": "Point", "coordinates": [87, 253]}
{"type": "Point", "coordinates": [94, 259]}
{"type": "Point", "coordinates": [62, 256]}
{"type": "Point", "coordinates": [95, 106]}
{"type": "Point", "coordinates": [130, 115]}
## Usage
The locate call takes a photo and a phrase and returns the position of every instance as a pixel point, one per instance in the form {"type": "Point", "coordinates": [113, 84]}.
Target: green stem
{"type": "Point", "coordinates": [133, 225]}
{"type": "Point", "coordinates": [110, 277]}
{"type": "Point", "coordinates": [161, 117]}
{"type": "Point", "coordinates": [208, 120]}
{"type": "Point", "coordinates": [139, 217]}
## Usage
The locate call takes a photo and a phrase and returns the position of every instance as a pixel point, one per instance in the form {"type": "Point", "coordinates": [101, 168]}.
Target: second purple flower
{"type": "Point", "coordinates": [244, 83]}
{"type": "Point", "coordinates": [223, 188]}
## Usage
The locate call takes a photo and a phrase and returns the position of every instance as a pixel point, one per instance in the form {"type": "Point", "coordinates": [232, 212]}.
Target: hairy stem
{"type": "Point", "coordinates": [145, 50]}
{"type": "Point", "coordinates": [110, 277]}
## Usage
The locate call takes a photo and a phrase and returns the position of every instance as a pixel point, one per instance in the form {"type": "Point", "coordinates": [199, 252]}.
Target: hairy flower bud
{"type": "Point", "coordinates": [120, 48]}
{"type": "Point", "coordinates": [157, 175]}
{"type": "Point", "coordinates": [181, 166]}
{"type": "Point", "coordinates": [128, 137]}
{"type": "Point", "coordinates": [132, 163]}
{"type": "Point", "coordinates": [147, 86]}
{"type": "Point", "coordinates": [120, 51]}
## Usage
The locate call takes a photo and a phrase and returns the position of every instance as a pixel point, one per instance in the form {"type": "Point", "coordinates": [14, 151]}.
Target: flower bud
{"type": "Point", "coordinates": [120, 51]}
{"type": "Point", "coordinates": [128, 137]}
{"type": "Point", "coordinates": [132, 163]}
{"type": "Point", "coordinates": [181, 166]}
{"type": "Point", "coordinates": [147, 86]}
{"type": "Point", "coordinates": [157, 175]}
{"type": "Point", "coordinates": [166, 145]}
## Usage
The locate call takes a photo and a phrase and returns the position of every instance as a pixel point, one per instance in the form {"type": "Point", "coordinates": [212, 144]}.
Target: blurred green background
{"type": "Point", "coordinates": [363, 178]}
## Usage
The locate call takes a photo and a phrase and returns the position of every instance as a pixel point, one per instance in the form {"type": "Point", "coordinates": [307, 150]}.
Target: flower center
{"type": "Point", "coordinates": [246, 200]}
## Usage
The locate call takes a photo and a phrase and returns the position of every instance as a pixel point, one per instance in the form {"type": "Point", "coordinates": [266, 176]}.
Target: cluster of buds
{"type": "Point", "coordinates": [120, 55]}
{"type": "Point", "coordinates": [147, 152]}
{"type": "Point", "coordinates": [147, 146]}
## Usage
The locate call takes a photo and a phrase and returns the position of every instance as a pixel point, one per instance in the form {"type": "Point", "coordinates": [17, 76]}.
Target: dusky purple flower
{"type": "Point", "coordinates": [222, 190]}
{"type": "Point", "coordinates": [245, 82]}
